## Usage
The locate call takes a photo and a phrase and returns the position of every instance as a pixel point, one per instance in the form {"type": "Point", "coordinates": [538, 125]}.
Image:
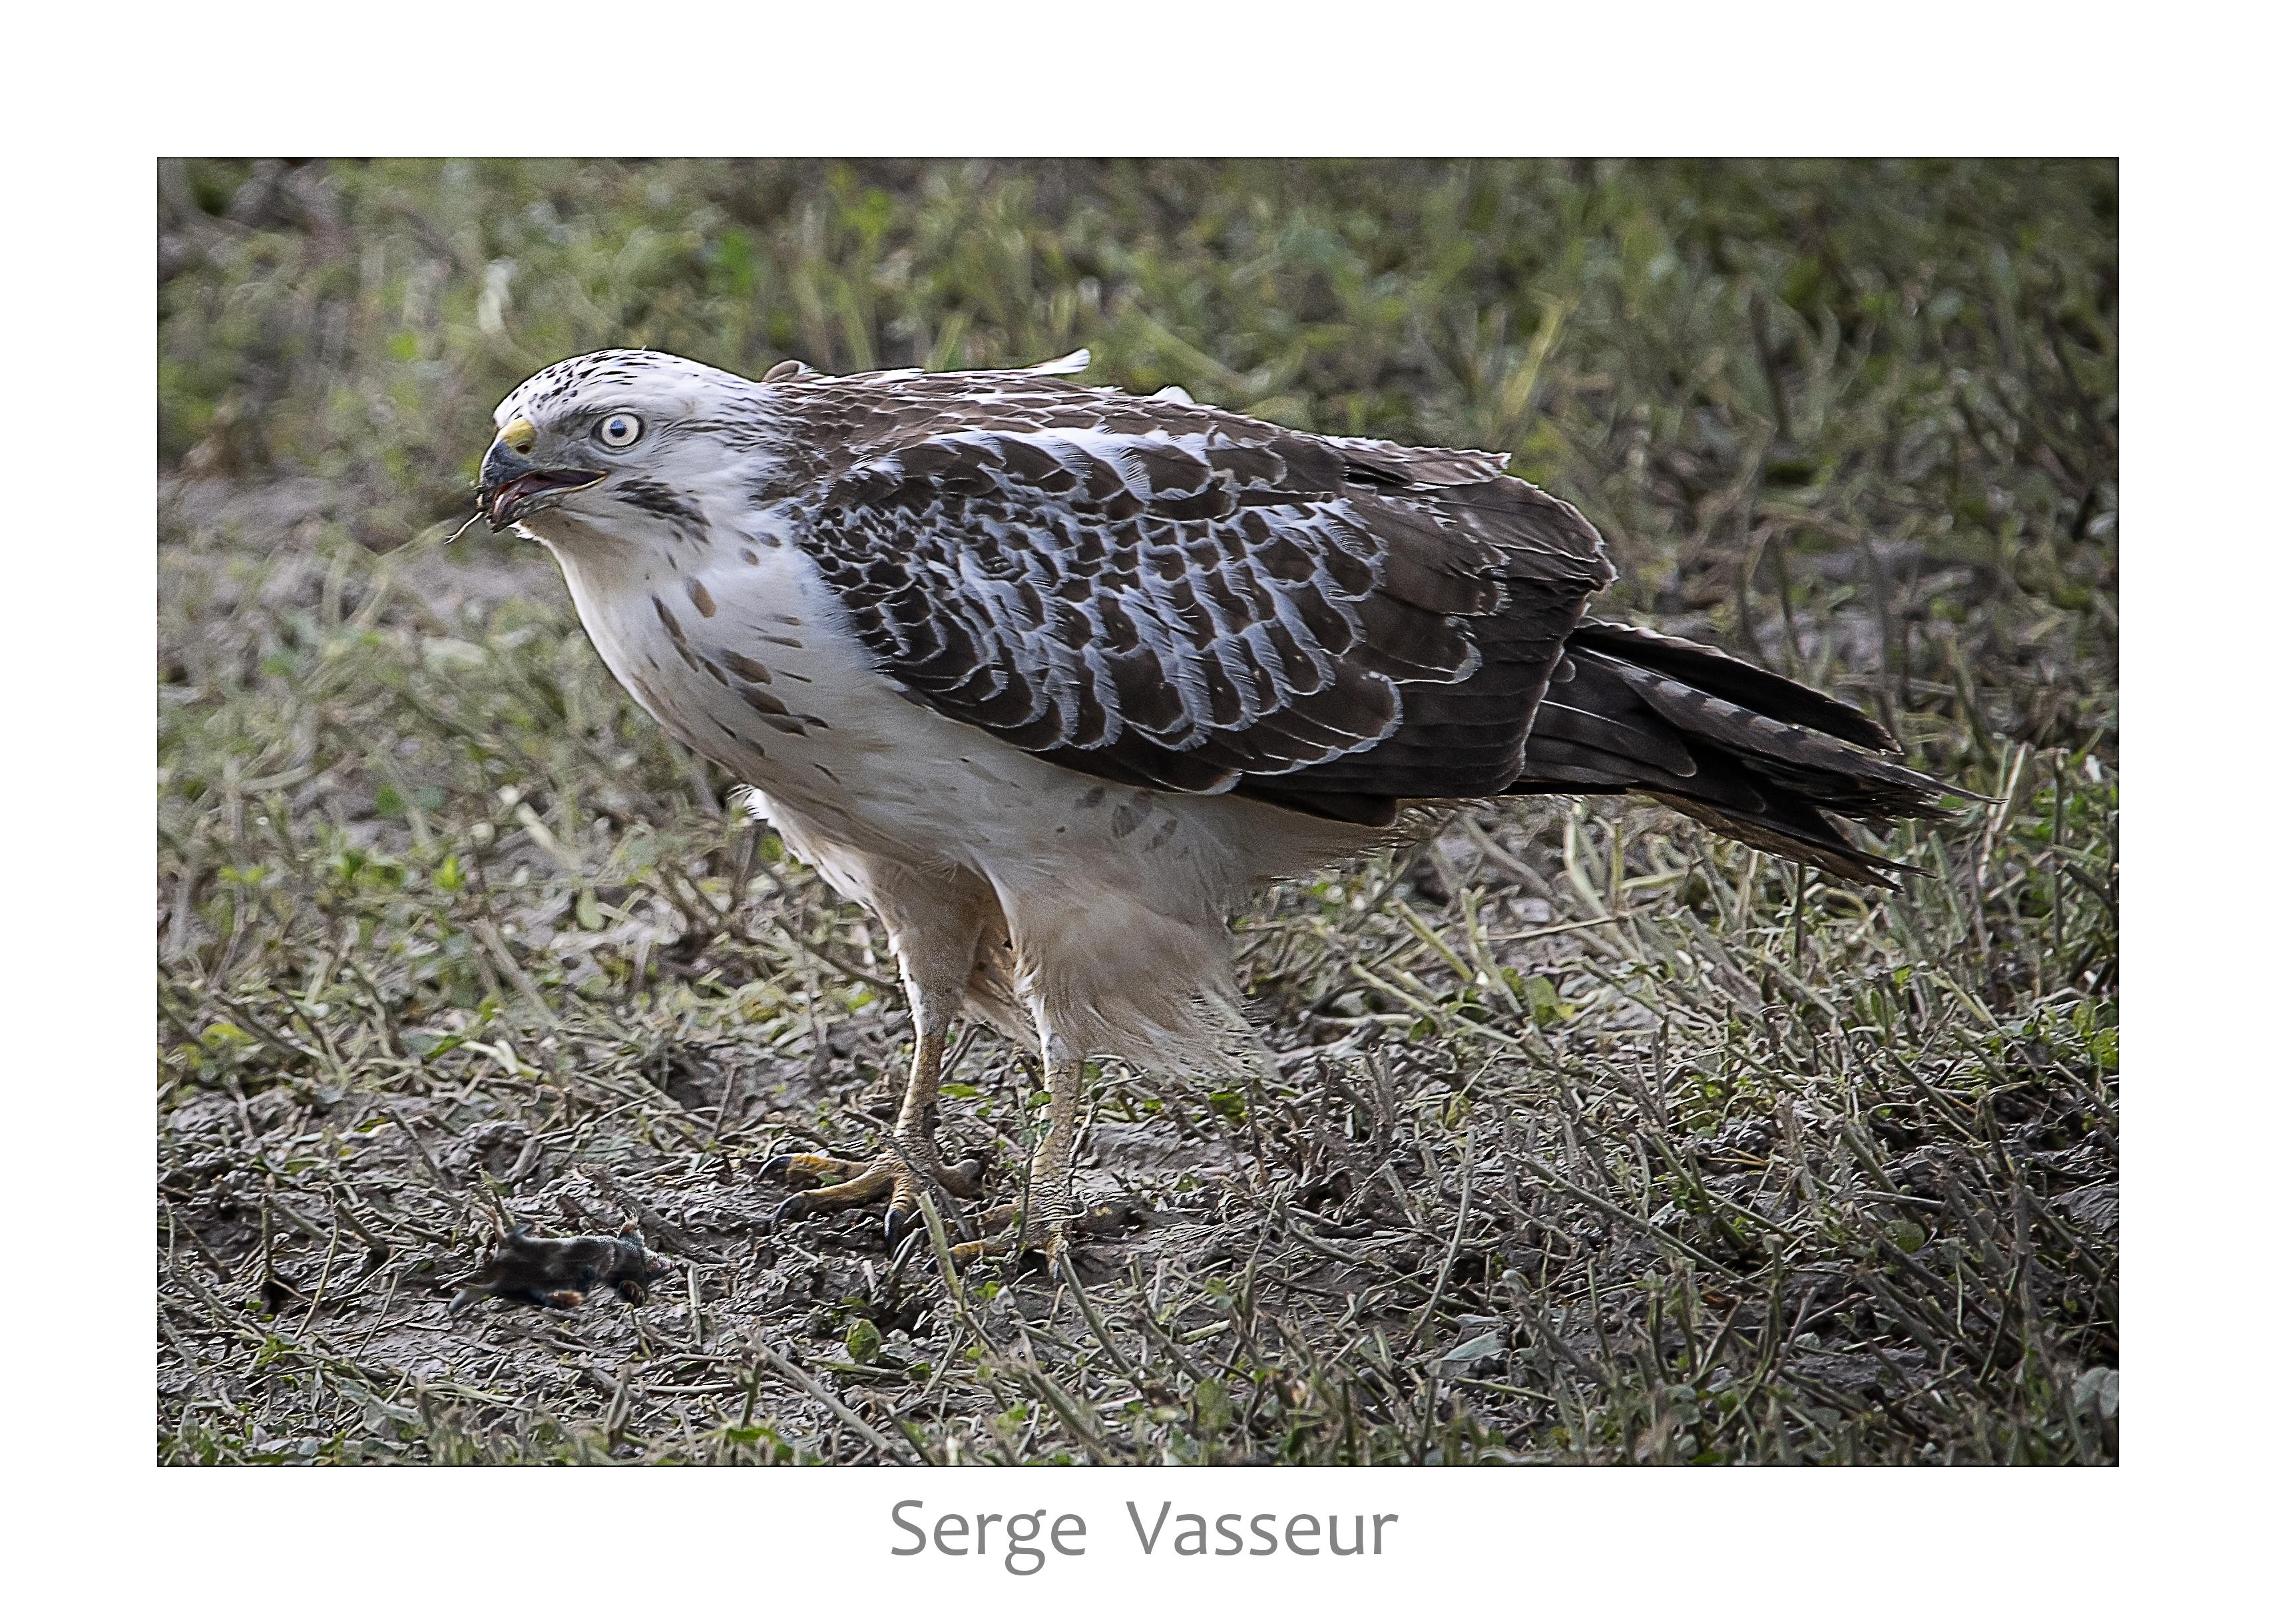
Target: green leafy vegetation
{"type": "Point", "coordinates": [1601, 1138]}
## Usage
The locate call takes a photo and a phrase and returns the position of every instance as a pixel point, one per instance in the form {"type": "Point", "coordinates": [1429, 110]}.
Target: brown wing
{"type": "Point", "coordinates": [1162, 594]}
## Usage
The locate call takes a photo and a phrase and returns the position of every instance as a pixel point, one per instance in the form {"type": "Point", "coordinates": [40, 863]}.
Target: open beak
{"type": "Point", "coordinates": [512, 487]}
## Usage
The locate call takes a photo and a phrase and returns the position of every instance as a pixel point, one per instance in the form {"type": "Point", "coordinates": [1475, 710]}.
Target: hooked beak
{"type": "Point", "coordinates": [512, 487]}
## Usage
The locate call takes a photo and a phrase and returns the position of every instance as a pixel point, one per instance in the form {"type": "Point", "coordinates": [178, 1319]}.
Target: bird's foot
{"type": "Point", "coordinates": [831, 1184]}
{"type": "Point", "coordinates": [1013, 1230]}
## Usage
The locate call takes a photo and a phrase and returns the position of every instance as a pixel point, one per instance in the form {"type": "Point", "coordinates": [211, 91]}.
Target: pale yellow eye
{"type": "Point", "coordinates": [618, 430]}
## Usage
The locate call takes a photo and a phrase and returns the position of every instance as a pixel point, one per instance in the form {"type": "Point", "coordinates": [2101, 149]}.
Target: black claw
{"type": "Point", "coordinates": [898, 1224]}
{"type": "Point", "coordinates": [775, 1167]}
{"type": "Point", "coordinates": [792, 1210]}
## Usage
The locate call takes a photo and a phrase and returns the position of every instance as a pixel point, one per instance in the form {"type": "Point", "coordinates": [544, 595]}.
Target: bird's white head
{"type": "Point", "coordinates": [612, 443]}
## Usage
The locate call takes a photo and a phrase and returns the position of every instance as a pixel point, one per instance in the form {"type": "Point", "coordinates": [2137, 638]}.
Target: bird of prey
{"type": "Point", "coordinates": [1053, 678]}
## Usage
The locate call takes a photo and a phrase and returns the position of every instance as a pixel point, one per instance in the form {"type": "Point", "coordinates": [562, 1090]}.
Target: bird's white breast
{"type": "Point", "coordinates": [738, 649]}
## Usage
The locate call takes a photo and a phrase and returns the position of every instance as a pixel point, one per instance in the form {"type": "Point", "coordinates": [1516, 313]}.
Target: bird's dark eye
{"type": "Point", "coordinates": [618, 430]}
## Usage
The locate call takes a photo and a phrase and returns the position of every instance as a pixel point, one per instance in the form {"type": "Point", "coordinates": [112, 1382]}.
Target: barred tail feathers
{"type": "Point", "coordinates": [1746, 752]}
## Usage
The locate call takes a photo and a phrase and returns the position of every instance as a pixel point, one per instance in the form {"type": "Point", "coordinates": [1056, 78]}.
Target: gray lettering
{"type": "Point", "coordinates": [1145, 1540]}
{"type": "Point", "coordinates": [1019, 1545]}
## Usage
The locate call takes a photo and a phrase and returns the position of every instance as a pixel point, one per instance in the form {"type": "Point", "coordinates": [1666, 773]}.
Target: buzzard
{"type": "Point", "coordinates": [1051, 677]}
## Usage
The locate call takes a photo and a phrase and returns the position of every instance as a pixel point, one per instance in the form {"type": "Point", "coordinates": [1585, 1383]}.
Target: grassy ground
{"type": "Point", "coordinates": [1601, 1139]}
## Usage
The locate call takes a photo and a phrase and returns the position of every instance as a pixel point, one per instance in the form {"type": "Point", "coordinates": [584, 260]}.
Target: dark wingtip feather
{"type": "Point", "coordinates": [1754, 757]}
{"type": "Point", "coordinates": [1713, 671]}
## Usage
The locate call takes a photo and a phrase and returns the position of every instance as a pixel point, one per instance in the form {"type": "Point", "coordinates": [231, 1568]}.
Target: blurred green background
{"type": "Point", "coordinates": [1924, 352]}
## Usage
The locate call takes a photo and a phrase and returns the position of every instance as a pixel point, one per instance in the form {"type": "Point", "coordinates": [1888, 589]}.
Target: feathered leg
{"type": "Point", "coordinates": [1040, 1220]}
{"type": "Point", "coordinates": [1048, 1216]}
{"type": "Point", "coordinates": [934, 934]}
{"type": "Point", "coordinates": [912, 1163]}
